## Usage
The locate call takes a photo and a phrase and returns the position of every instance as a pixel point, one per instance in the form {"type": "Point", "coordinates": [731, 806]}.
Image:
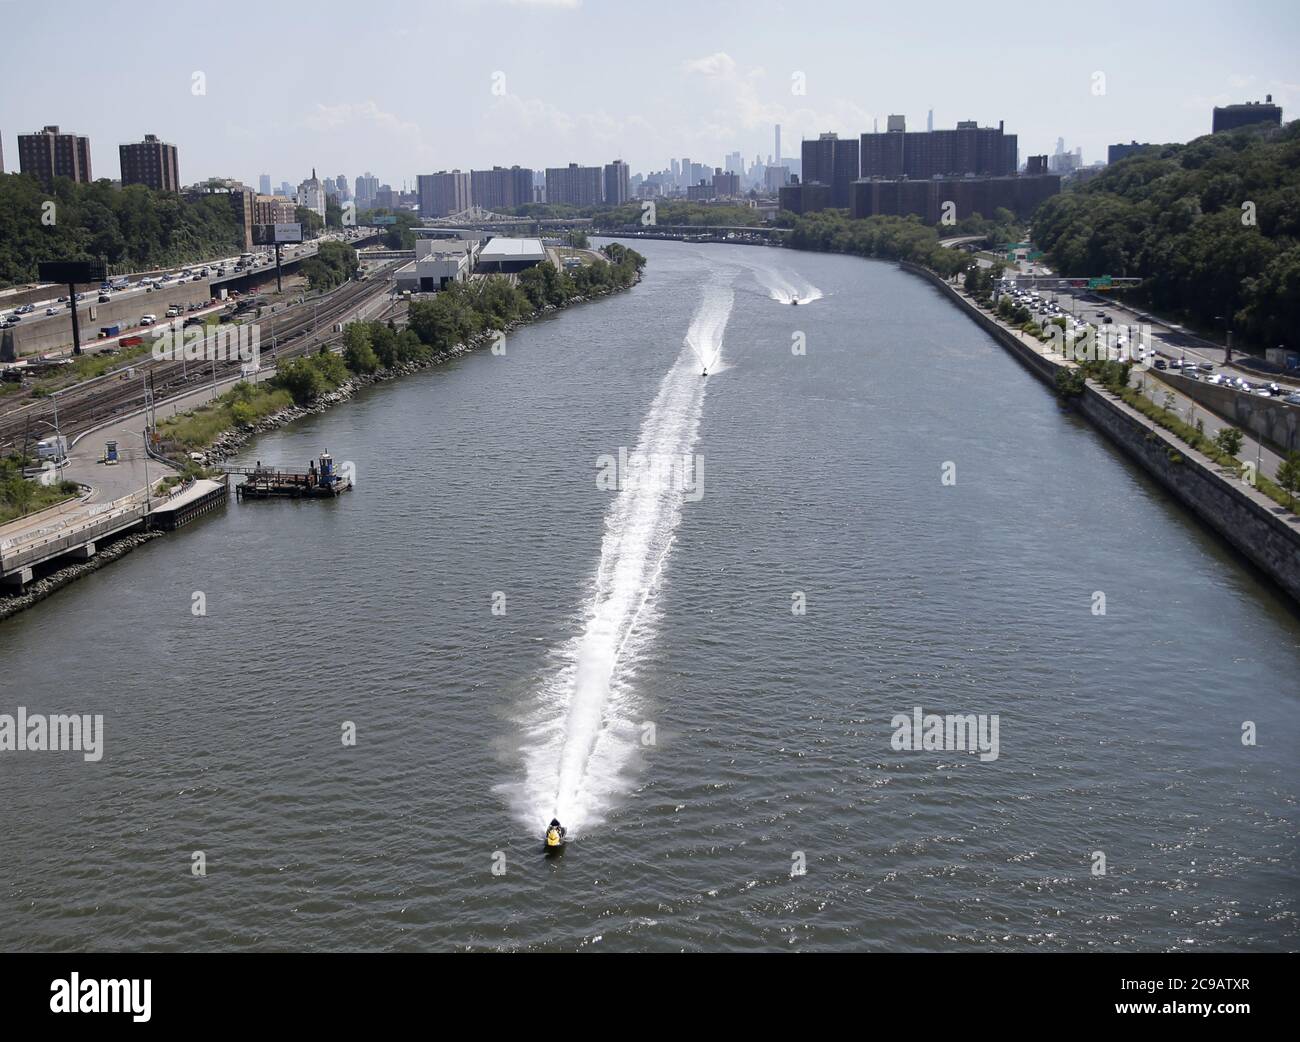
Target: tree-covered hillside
{"type": "Point", "coordinates": [1213, 226]}
{"type": "Point", "coordinates": [133, 228]}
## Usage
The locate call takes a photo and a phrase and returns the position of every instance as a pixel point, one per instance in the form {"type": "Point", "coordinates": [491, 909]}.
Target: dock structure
{"type": "Point", "coordinates": [315, 482]}
{"type": "Point", "coordinates": [192, 501]}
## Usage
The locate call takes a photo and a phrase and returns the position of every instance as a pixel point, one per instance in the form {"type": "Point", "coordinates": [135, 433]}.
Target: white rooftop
{"type": "Point", "coordinates": [500, 248]}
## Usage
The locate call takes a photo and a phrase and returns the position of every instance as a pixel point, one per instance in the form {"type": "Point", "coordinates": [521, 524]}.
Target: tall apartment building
{"type": "Point", "coordinates": [617, 183]}
{"type": "Point", "coordinates": [264, 184]}
{"type": "Point", "coordinates": [501, 188]}
{"type": "Point", "coordinates": [1230, 117]}
{"type": "Point", "coordinates": [150, 162]}
{"type": "Point", "coordinates": [833, 162]}
{"type": "Point", "coordinates": [574, 184]}
{"type": "Point", "coordinates": [968, 149]}
{"type": "Point", "coordinates": [443, 193]}
{"type": "Point", "coordinates": [49, 153]}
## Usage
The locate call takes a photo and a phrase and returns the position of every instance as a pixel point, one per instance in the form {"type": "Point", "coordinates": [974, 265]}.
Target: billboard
{"type": "Point", "coordinates": [270, 234]}
{"type": "Point", "coordinates": [72, 271]}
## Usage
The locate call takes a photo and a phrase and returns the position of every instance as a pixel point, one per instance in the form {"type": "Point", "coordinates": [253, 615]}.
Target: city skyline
{"type": "Point", "coordinates": [717, 89]}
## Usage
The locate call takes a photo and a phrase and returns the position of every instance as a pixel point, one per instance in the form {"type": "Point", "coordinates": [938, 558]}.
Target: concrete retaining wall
{"type": "Point", "coordinates": [1249, 521]}
{"type": "Point", "coordinates": [1268, 418]}
{"type": "Point", "coordinates": [33, 337]}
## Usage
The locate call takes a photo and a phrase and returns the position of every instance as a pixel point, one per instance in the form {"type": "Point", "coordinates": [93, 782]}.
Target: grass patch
{"type": "Point", "coordinates": [18, 496]}
{"type": "Point", "coordinates": [242, 404]}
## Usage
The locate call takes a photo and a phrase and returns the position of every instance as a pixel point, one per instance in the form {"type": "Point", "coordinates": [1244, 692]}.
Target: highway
{"type": "Point", "coordinates": [138, 285]}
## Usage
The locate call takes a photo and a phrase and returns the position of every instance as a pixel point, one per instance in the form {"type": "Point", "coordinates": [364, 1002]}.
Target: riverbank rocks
{"type": "Point", "coordinates": [11, 604]}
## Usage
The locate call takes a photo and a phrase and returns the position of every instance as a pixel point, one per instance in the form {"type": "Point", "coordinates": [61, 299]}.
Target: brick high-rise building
{"type": "Point", "coordinates": [443, 193]}
{"type": "Point", "coordinates": [576, 185]}
{"type": "Point", "coordinates": [501, 188]}
{"type": "Point", "coordinates": [150, 162]}
{"type": "Point", "coordinates": [49, 153]}
{"type": "Point", "coordinates": [833, 162]}
{"type": "Point", "coordinates": [968, 149]}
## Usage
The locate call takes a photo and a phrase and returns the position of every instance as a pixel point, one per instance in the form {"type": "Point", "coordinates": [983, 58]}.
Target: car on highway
{"type": "Point", "coordinates": [1293, 398]}
{"type": "Point", "coordinates": [104, 298]}
{"type": "Point", "coordinates": [51, 311]}
{"type": "Point", "coordinates": [148, 320]}
{"type": "Point", "coordinates": [1161, 364]}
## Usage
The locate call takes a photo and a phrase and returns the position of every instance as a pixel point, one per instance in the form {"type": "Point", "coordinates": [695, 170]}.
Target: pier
{"type": "Point", "coordinates": [316, 482]}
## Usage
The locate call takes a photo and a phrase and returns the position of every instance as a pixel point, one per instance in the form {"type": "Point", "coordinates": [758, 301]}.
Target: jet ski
{"type": "Point", "coordinates": [554, 837]}
{"type": "Point", "coordinates": [705, 373]}
{"type": "Point", "coordinates": [794, 303]}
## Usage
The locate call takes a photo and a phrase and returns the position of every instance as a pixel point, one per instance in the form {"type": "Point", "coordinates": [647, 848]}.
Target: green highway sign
{"type": "Point", "coordinates": [1101, 282]}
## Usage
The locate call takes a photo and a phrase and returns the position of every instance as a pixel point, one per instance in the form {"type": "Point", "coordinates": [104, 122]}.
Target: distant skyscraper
{"type": "Point", "coordinates": [264, 184]}
{"type": "Point", "coordinates": [777, 160]}
{"type": "Point", "coordinates": [686, 173]}
{"type": "Point", "coordinates": [929, 121]}
{"type": "Point", "coordinates": [150, 162]}
{"type": "Point", "coordinates": [367, 188]}
{"type": "Point", "coordinates": [311, 194]}
{"type": "Point", "coordinates": [48, 154]}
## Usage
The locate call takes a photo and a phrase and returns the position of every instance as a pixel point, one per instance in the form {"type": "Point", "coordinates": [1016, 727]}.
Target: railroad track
{"type": "Point", "coordinates": [87, 405]}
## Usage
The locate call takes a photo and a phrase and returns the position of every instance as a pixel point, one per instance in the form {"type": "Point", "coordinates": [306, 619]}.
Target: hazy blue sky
{"type": "Point", "coordinates": [402, 88]}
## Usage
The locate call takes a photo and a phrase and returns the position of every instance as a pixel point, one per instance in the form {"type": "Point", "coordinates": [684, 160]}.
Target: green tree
{"type": "Point", "coordinates": [358, 350]}
{"type": "Point", "coordinates": [1288, 477]}
{"type": "Point", "coordinates": [1228, 440]}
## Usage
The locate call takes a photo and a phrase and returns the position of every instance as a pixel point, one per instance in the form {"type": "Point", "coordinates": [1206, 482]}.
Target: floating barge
{"type": "Point", "coordinates": [317, 482]}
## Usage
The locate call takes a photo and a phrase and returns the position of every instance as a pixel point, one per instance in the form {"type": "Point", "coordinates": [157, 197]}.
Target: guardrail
{"type": "Point", "coordinates": [42, 544]}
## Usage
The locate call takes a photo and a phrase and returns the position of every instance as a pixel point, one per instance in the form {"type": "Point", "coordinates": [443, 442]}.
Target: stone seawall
{"type": "Point", "coordinates": [1249, 521]}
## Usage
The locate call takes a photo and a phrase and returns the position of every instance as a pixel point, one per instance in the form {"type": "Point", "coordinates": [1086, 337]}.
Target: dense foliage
{"type": "Point", "coordinates": [132, 228]}
{"type": "Point", "coordinates": [890, 238]}
{"type": "Point", "coordinates": [1213, 226]}
{"type": "Point", "coordinates": [398, 235]}
{"type": "Point", "coordinates": [334, 264]}
{"type": "Point", "coordinates": [671, 212]}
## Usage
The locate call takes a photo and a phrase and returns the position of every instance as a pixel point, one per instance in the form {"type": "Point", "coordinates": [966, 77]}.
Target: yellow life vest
{"type": "Point", "coordinates": [552, 837]}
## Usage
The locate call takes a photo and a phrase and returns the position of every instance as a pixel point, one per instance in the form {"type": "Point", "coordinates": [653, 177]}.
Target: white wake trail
{"type": "Point", "coordinates": [581, 732]}
{"type": "Point", "coordinates": [785, 289]}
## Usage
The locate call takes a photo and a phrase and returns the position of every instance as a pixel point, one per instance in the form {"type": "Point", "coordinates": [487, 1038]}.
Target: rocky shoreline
{"type": "Point", "coordinates": [55, 581]}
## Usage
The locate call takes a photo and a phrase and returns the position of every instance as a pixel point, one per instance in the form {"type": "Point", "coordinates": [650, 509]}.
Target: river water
{"type": "Point", "coordinates": [698, 668]}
